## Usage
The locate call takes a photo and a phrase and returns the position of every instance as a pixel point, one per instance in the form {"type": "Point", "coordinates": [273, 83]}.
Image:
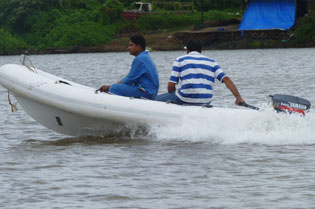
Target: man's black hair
{"type": "Point", "coordinates": [138, 40]}
{"type": "Point", "coordinates": [194, 44]}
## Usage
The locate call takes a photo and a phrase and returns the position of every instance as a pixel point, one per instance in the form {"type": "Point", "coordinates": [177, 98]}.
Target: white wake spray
{"type": "Point", "coordinates": [234, 126]}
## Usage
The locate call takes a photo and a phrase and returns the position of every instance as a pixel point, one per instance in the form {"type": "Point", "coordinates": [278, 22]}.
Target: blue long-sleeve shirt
{"type": "Point", "coordinates": [143, 74]}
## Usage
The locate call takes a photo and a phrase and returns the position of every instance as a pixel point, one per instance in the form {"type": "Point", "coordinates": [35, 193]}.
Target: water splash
{"type": "Point", "coordinates": [233, 127]}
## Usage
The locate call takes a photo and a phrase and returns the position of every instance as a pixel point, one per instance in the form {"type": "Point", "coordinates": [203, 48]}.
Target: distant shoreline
{"type": "Point", "coordinates": [170, 42]}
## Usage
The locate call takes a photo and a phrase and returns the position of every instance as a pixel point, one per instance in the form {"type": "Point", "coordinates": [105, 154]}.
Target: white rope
{"type": "Point", "coordinates": [32, 69]}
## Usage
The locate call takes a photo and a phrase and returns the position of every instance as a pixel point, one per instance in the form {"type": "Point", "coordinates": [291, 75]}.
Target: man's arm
{"type": "Point", "coordinates": [230, 85]}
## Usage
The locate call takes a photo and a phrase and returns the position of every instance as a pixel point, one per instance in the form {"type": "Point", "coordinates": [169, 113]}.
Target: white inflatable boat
{"type": "Point", "coordinates": [73, 109]}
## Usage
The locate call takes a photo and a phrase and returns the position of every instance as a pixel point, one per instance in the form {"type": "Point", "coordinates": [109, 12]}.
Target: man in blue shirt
{"type": "Point", "coordinates": [142, 79]}
{"type": "Point", "coordinates": [195, 74]}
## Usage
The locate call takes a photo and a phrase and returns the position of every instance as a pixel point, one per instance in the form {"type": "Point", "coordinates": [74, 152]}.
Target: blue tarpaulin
{"type": "Point", "coordinates": [269, 14]}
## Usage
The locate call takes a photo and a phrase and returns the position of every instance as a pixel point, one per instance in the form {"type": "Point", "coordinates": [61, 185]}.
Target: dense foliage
{"type": "Point", "coordinates": [44, 24]}
{"type": "Point", "coordinates": [9, 43]}
{"type": "Point", "coordinates": [217, 5]}
{"type": "Point", "coordinates": [305, 29]}
{"type": "Point", "coordinates": [167, 20]}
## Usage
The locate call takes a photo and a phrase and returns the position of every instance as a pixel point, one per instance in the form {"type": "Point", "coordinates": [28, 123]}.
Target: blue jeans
{"type": "Point", "coordinates": [169, 97]}
{"type": "Point", "coordinates": [128, 91]}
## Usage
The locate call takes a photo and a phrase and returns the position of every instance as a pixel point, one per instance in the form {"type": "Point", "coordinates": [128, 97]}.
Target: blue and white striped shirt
{"type": "Point", "coordinates": [195, 74]}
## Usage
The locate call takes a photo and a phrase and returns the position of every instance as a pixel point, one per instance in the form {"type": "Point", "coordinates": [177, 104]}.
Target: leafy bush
{"type": "Point", "coordinates": [68, 28]}
{"type": "Point", "coordinates": [77, 29]}
{"type": "Point", "coordinates": [114, 4]}
{"type": "Point", "coordinates": [113, 9]}
{"type": "Point", "coordinates": [10, 44]}
{"type": "Point", "coordinates": [170, 20]}
{"type": "Point", "coordinates": [16, 13]}
{"type": "Point", "coordinates": [217, 4]}
{"type": "Point", "coordinates": [87, 33]}
{"type": "Point", "coordinates": [41, 23]}
{"type": "Point", "coordinates": [165, 21]}
{"type": "Point", "coordinates": [77, 4]}
{"type": "Point", "coordinates": [305, 30]}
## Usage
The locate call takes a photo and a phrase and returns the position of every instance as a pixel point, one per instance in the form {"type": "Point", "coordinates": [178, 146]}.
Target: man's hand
{"type": "Point", "coordinates": [104, 88]}
{"type": "Point", "coordinates": [171, 87]}
{"type": "Point", "coordinates": [239, 100]}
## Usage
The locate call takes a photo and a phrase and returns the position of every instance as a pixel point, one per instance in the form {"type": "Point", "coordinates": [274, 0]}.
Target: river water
{"type": "Point", "coordinates": [236, 164]}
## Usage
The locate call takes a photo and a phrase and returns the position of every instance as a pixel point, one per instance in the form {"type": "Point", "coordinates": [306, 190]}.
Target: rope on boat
{"type": "Point", "coordinates": [32, 69]}
{"type": "Point", "coordinates": [22, 60]}
{"type": "Point", "coordinates": [13, 106]}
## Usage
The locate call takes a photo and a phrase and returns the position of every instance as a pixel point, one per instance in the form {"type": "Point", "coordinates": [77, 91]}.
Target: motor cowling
{"type": "Point", "coordinates": [290, 104]}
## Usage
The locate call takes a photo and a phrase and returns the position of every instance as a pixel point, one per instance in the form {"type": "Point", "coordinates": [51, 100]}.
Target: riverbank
{"type": "Point", "coordinates": [214, 36]}
{"type": "Point", "coordinates": [164, 41]}
{"type": "Point", "coordinates": [212, 39]}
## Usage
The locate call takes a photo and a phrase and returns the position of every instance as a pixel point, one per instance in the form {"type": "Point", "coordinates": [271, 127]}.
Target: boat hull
{"type": "Point", "coordinates": [73, 109]}
{"type": "Point", "coordinates": [66, 122]}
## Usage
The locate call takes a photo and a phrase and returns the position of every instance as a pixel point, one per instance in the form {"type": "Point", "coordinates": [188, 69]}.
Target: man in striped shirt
{"type": "Point", "coordinates": [195, 74]}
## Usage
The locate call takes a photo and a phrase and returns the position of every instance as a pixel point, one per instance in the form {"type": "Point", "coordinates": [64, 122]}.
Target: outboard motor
{"type": "Point", "coordinates": [290, 104]}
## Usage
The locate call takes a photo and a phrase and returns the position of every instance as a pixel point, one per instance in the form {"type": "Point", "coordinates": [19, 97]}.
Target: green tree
{"type": "Point", "coordinates": [15, 13]}
{"type": "Point", "coordinates": [113, 9]}
{"type": "Point", "coordinates": [9, 44]}
{"type": "Point", "coordinates": [305, 29]}
{"type": "Point", "coordinates": [77, 28]}
{"type": "Point", "coordinates": [217, 4]}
